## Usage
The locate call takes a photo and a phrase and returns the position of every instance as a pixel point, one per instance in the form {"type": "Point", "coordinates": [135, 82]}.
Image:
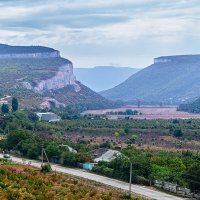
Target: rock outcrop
{"type": "Point", "coordinates": [63, 78]}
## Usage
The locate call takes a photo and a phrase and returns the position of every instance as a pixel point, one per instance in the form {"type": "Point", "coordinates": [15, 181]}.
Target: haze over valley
{"type": "Point", "coordinates": [103, 77]}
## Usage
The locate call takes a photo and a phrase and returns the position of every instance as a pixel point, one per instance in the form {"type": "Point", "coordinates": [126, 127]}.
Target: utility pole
{"type": "Point", "coordinates": [42, 155]}
{"type": "Point", "coordinates": [45, 155]}
{"type": "Point", "coordinates": [130, 179]}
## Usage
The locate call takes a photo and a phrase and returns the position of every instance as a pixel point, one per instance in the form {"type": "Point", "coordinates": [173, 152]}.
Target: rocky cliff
{"type": "Point", "coordinates": [39, 77]}
{"type": "Point", "coordinates": [63, 77]}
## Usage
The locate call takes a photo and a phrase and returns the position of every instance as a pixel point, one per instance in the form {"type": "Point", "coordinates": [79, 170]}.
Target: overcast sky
{"type": "Point", "coordinates": [104, 32]}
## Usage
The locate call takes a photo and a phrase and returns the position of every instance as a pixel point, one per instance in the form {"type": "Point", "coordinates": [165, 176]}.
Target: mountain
{"type": "Point", "coordinates": [170, 80]}
{"type": "Point", "coordinates": [39, 77]}
{"type": "Point", "coordinates": [103, 77]}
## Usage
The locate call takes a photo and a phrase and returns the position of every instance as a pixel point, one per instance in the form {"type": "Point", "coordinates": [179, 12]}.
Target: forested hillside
{"type": "Point", "coordinates": [193, 107]}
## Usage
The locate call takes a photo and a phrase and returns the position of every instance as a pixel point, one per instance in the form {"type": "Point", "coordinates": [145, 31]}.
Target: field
{"type": "Point", "coordinates": [149, 113]}
{"type": "Point", "coordinates": [25, 182]}
{"type": "Point", "coordinates": [146, 139]}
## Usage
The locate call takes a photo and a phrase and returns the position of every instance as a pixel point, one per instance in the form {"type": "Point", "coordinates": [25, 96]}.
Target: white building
{"type": "Point", "coordinates": [48, 117]}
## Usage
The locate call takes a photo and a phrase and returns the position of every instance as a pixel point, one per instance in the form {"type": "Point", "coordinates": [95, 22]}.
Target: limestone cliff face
{"type": "Point", "coordinates": [53, 54]}
{"type": "Point", "coordinates": [63, 78]}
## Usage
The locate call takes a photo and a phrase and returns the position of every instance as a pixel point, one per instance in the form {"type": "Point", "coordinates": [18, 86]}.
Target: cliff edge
{"type": "Point", "coordinates": [8, 51]}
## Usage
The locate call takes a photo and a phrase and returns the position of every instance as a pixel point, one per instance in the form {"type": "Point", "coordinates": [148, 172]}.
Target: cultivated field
{"type": "Point", "coordinates": [149, 113]}
{"type": "Point", "coordinates": [26, 182]}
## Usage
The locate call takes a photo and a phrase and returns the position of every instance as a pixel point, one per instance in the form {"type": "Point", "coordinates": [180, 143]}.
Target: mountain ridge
{"type": "Point", "coordinates": [170, 80]}
{"type": "Point", "coordinates": [8, 51]}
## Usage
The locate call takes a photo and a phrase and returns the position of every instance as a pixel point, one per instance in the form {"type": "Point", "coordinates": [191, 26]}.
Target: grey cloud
{"type": "Point", "coordinates": [80, 31]}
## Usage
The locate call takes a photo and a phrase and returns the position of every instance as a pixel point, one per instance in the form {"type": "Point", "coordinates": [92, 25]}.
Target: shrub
{"type": "Point", "coordinates": [46, 168]}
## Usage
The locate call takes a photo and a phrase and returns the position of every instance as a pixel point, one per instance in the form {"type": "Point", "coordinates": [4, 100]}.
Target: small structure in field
{"type": "Point", "coordinates": [48, 117]}
{"type": "Point", "coordinates": [88, 166]}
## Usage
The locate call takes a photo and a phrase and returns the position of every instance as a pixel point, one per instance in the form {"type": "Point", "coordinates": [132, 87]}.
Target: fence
{"type": "Point", "coordinates": [176, 189]}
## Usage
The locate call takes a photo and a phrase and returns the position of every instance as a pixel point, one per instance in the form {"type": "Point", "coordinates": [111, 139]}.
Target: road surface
{"type": "Point", "coordinates": [141, 190]}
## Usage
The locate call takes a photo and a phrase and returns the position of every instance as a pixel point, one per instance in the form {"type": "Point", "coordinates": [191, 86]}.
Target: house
{"type": "Point", "coordinates": [48, 117]}
{"type": "Point", "coordinates": [108, 156]}
{"type": "Point", "coordinates": [3, 102]}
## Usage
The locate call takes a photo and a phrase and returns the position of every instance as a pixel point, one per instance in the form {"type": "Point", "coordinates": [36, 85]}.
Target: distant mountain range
{"type": "Point", "coordinates": [170, 80]}
{"type": "Point", "coordinates": [40, 78]}
{"type": "Point", "coordinates": [103, 77]}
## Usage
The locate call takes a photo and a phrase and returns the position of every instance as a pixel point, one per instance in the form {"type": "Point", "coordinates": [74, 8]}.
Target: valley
{"type": "Point", "coordinates": [103, 77]}
{"type": "Point", "coordinates": [99, 100]}
{"type": "Point", "coordinates": [146, 112]}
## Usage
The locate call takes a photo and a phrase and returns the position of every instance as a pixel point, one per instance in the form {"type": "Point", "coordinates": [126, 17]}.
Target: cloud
{"type": "Point", "coordinates": [112, 29]}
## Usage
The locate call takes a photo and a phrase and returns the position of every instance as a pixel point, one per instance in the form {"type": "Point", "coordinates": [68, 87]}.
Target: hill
{"type": "Point", "coordinates": [39, 77]}
{"type": "Point", "coordinates": [103, 77]}
{"type": "Point", "coordinates": [170, 80]}
{"type": "Point", "coordinates": [193, 107]}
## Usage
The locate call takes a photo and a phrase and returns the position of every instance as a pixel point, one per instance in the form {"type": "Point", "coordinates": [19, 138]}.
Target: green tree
{"type": "Point", "coordinates": [69, 159]}
{"type": "Point", "coordinates": [33, 116]}
{"type": "Point", "coordinates": [46, 168]}
{"type": "Point", "coordinates": [14, 104]}
{"type": "Point", "coordinates": [83, 157]}
{"type": "Point", "coordinates": [53, 150]}
{"type": "Point", "coordinates": [14, 138]}
{"type": "Point", "coordinates": [192, 176]}
{"type": "Point", "coordinates": [178, 133]}
{"type": "Point", "coordinates": [129, 112]}
{"type": "Point", "coordinates": [116, 134]}
{"type": "Point", "coordinates": [133, 138]}
{"type": "Point", "coordinates": [4, 108]}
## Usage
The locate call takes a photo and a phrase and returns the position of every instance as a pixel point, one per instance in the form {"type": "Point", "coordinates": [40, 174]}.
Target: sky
{"type": "Point", "coordinates": [104, 32]}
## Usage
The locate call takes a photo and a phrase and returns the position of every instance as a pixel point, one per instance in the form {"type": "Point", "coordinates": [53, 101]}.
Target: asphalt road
{"type": "Point", "coordinates": [141, 190]}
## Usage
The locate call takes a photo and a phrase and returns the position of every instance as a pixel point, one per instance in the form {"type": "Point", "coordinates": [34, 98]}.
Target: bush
{"type": "Point", "coordinates": [142, 181]}
{"type": "Point", "coordinates": [45, 168]}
